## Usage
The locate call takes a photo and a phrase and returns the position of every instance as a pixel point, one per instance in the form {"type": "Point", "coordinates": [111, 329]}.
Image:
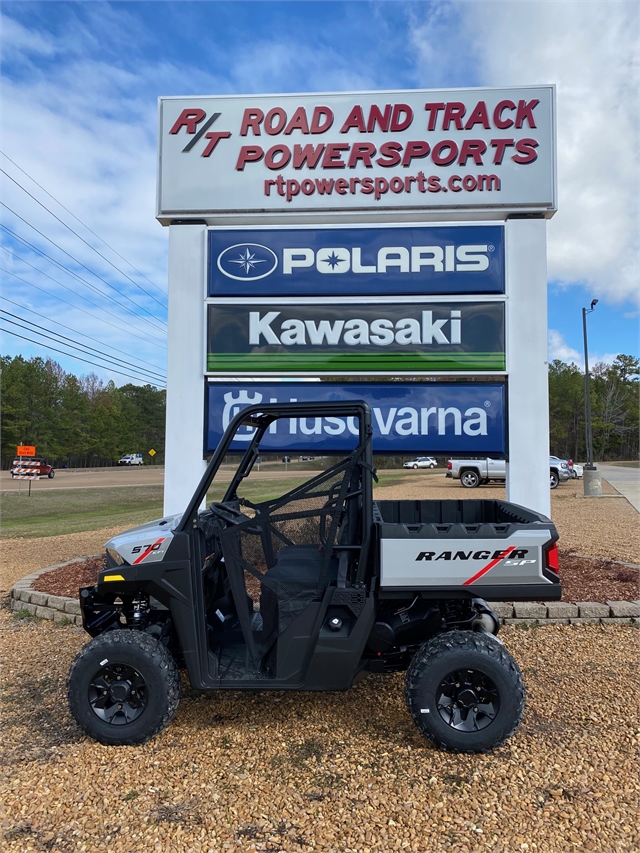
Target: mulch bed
{"type": "Point", "coordinates": [583, 579]}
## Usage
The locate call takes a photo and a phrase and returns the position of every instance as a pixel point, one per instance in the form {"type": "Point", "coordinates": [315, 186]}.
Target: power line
{"type": "Point", "coordinates": [124, 362]}
{"type": "Point", "coordinates": [81, 348]}
{"type": "Point", "coordinates": [71, 290]}
{"type": "Point", "coordinates": [159, 289]}
{"type": "Point", "coordinates": [64, 251]}
{"type": "Point", "coordinates": [70, 355]}
{"type": "Point", "coordinates": [75, 275]}
{"type": "Point", "coordinates": [44, 207]}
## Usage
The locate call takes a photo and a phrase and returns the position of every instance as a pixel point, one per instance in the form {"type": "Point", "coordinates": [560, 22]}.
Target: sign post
{"type": "Point", "coordinates": [391, 234]}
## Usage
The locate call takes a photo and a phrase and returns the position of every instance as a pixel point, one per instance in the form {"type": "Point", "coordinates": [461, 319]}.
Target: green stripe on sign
{"type": "Point", "coordinates": [392, 361]}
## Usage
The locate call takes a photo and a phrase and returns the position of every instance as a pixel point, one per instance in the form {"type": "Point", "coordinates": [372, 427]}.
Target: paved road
{"type": "Point", "coordinates": [110, 478]}
{"type": "Point", "coordinates": [625, 480]}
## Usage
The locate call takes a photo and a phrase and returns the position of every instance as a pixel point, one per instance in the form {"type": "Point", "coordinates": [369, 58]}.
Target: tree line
{"type": "Point", "coordinates": [614, 409]}
{"type": "Point", "coordinates": [84, 422]}
{"type": "Point", "coordinates": [77, 422]}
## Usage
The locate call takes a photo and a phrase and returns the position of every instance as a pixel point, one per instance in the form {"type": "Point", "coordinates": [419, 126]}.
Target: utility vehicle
{"type": "Point", "coordinates": [312, 590]}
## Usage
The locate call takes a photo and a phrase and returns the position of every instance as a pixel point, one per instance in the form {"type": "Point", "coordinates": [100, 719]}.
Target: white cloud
{"type": "Point", "coordinates": [559, 349]}
{"type": "Point", "coordinates": [590, 51]}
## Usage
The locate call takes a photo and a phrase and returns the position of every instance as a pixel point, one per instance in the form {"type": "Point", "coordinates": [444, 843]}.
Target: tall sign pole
{"type": "Point", "coordinates": [591, 479]}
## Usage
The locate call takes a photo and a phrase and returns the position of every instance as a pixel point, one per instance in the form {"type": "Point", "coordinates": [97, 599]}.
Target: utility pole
{"type": "Point", "coordinates": [592, 482]}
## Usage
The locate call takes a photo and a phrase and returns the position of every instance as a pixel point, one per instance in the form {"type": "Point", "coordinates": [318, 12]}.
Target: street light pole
{"type": "Point", "coordinates": [592, 483]}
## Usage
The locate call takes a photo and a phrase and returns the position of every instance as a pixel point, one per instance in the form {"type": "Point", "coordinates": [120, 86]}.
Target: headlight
{"type": "Point", "coordinates": [115, 557]}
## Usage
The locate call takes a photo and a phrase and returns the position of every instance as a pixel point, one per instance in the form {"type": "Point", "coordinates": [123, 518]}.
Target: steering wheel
{"type": "Point", "coordinates": [227, 513]}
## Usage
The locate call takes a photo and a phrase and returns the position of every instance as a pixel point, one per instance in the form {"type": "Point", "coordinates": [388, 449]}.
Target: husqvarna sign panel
{"type": "Point", "coordinates": [315, 336]}
{"type": "Point", "coordinates": [443, 149]}
{"type": "Point", "coordinates": [374, 261]}
{"type": "Point", "coordinates": [430, 417]}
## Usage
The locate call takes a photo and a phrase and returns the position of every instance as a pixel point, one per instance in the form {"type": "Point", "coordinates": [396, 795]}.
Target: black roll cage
{"type": "Point", "coordinates": [261, 416]}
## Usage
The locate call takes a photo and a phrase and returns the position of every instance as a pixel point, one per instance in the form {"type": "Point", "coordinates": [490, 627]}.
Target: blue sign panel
{"type": "Point", "coordinates": [413, 417]}
{"type": "Point", "coordinates": [420, 260]}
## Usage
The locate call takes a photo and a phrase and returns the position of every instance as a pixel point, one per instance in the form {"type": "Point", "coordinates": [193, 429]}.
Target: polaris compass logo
{"type": "Point", "coordinates": [247, 261]}
{"type": "Point", "coordinates": [253, 261]}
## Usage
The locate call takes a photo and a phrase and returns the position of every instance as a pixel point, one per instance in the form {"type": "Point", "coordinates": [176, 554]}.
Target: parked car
{"type": "Point", "coordinates": [286, 459]}
{"type": "Point", "coordinates": [476, 472]}
{"type": "Point", "coordinates": [42, 468]}
{"type": "Point", "coordinates": [576, 470]}
{"type": "Point", "coordinates": [421, 462]}
{"type": "Point", "coordinates": [131, 459]}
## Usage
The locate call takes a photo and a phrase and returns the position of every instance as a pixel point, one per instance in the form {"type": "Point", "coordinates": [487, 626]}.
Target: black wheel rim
{"type": "Point", "coordinates": [118, 694]}
{"type": "Point", "coordinates": [467, 700]}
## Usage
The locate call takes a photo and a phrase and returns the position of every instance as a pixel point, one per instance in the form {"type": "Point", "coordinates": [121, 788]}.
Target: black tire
{"type": "Point", "coordinates": [145, 677]}
{"type": "Point", "coordinates": [553, 480]}
{"type": "Point", "coordinates": [51, 474]}
{"type": "Point", "coordinates": [467, 667]}
{"type": "Point", "coordinates": [469, 479]}
{"type": "Point", "coordinates": [432, 465]}
{"type": "Point", "coordinates": [415, 467]}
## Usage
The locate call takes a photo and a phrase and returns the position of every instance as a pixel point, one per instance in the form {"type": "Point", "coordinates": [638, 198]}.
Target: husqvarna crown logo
{"type": "Point", "coordinates": [247, 261]}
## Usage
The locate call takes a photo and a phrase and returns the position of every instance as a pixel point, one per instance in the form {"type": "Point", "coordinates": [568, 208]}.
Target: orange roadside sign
{"type": "Point", "coordinates": [25, 450]}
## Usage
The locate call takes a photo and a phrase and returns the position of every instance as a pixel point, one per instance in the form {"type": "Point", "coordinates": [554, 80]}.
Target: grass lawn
{"type": "Point", "coordinates": [75, 510]}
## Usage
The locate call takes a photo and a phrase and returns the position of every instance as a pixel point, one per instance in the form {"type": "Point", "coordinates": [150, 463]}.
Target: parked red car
{"type": "Point", "coordinates": [39, 467]}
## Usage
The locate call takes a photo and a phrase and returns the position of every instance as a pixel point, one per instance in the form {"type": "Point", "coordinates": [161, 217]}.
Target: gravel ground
{"type": "Point", "coordinates": [240, 772]}
{"type": "Point", "coordinates": [324, 771]}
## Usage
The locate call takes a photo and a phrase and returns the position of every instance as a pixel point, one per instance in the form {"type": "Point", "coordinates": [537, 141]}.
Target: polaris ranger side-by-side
{"type": "Point", "coordinates": [311, 591]}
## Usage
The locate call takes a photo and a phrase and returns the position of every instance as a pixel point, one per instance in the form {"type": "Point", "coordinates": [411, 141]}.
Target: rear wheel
{"type": "Point", "coordinates": [553, 480]}
{"type": "Point", "coordinates": [469, 479]}
{"type": "Point", "coordinates": [464, 691]}
{"type": "Point", "coordinates": [432, 465]}
{"type": "Point", "coordinates": [123, 687]}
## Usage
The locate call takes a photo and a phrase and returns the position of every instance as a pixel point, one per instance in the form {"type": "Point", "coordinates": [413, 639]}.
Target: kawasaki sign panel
{"type": "Point", "coordinates": [374, 261]}
{"type": "Point", "coordinates": [451, 150]}
{"type": "Point", "coordinates": [430, 417]}
{"type": "Point", "coordinates": [355, 338]}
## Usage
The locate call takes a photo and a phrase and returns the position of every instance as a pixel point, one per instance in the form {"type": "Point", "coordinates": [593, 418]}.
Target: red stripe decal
{"type": "Point", "coordinates": [489, 566]}
{"type": "Point", "coordinates": [148, 551]}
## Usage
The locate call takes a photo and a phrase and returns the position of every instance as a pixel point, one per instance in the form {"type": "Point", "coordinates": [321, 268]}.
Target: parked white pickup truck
{"type": "Point", "coordinates": [474, 472]}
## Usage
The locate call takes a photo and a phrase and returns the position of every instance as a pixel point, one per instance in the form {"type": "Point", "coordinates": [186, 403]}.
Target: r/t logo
{"type": "Point", "coordinates": [190, 119]}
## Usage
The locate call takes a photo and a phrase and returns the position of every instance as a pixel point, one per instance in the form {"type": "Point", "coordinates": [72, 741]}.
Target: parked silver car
{"type": "Point", "coordinates": [421, 462]}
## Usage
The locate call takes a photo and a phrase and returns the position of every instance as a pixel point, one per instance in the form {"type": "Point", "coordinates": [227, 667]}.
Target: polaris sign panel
{"type": "Point", "coordinates": [461, 149]}
{"type": "Point", "coordinates": [354, 338]}
{"type": "Point", "coordinates": [420, 260]}
{"type": "Point", "coordinates": [434, 417]}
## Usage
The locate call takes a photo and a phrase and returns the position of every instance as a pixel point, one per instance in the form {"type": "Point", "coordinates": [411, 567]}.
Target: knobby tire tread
{"type": "Point", "coordinates": [158, 654]}
{"type": "Point", "coordinates": [437, 648]}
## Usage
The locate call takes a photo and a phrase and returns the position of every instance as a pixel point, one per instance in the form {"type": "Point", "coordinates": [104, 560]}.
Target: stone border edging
{"type": "Point", "coordinates": [60, 608]}
{"type": "Point", "coordinates": [44, 605]}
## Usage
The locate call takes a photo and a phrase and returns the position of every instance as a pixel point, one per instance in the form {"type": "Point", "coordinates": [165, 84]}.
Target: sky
{"type": "Point", "coordinates": [81, 252]}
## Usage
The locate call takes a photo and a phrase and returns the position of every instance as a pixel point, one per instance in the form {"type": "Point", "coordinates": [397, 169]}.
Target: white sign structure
{"type": "Point", "coordinates": [362, 160]}
{"type": "Point", "coordinates": [443, 150]}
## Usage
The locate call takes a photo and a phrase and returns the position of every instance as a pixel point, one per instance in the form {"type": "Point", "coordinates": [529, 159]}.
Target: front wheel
{"type": "Point", "coordinates": [414, 467]}
{"type": "Point", "coordinates": [464, 692]}
{"type": "Point", "coordinates": [51, 475]}
{"type": "Point", "coordinates": [469, 479]}
{"type": "Point", "coordinates": [123, 688]}
{"type": "Point", "coordinates": [553, 480]}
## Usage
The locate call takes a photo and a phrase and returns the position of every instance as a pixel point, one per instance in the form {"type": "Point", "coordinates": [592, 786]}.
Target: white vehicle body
{"type": "Point", "coordinates": [131, 459]}
{"type": "Point", "coordinates": [421, 462]}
